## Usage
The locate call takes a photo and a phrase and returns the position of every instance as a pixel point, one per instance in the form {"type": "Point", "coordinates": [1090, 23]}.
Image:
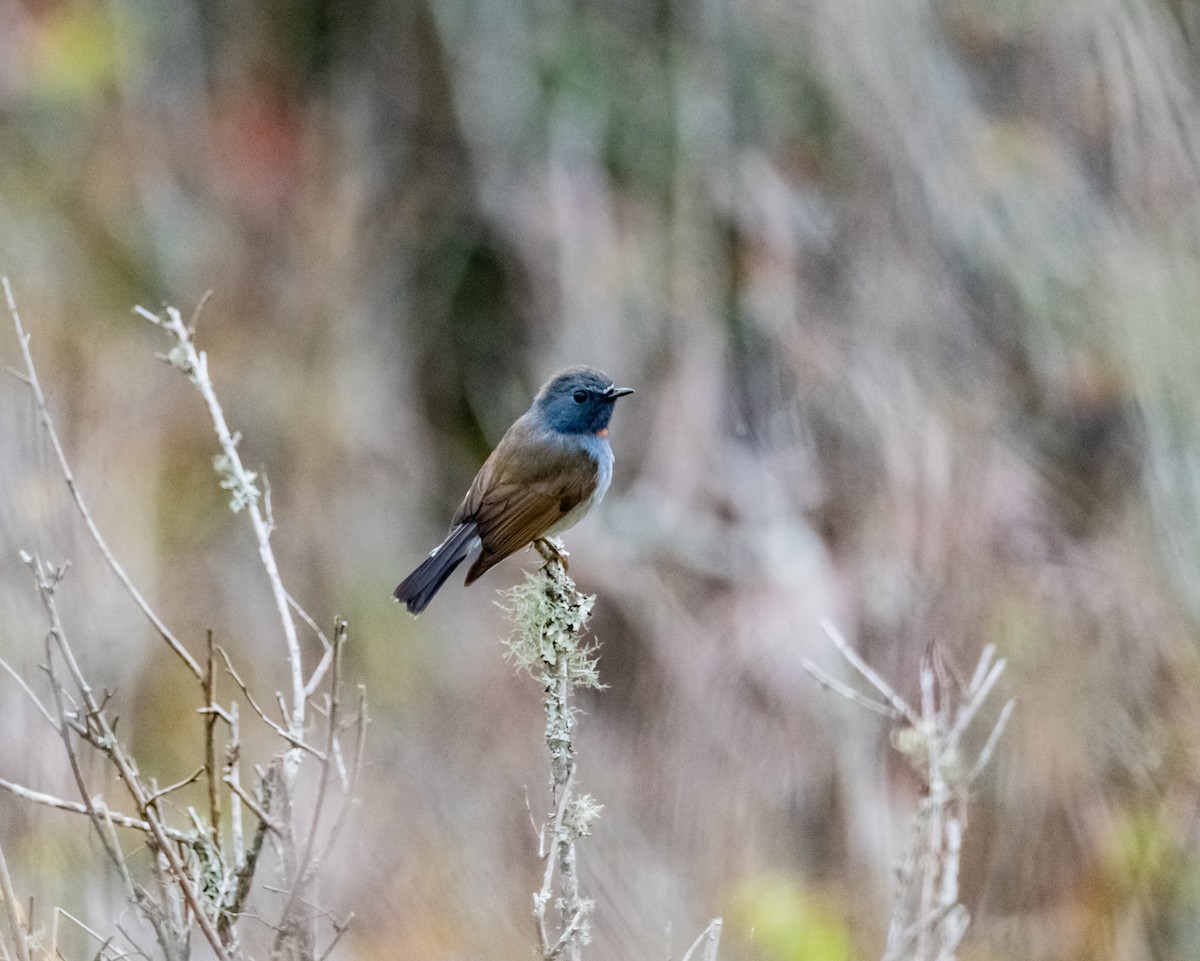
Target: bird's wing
{"type": "Point", "coordinates": [522, 490]}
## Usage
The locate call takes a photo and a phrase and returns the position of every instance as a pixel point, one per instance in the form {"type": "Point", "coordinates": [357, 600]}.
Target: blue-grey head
{"type": "Point", "coordinates": [578, 400]}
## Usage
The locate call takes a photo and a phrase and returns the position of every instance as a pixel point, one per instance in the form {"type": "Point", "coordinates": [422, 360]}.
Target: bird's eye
{"type": "Point", "coordinates": [580, 396]}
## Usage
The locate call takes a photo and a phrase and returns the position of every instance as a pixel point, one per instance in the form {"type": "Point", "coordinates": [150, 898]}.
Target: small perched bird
{"type": "Point", "coordinates": [549, 469]}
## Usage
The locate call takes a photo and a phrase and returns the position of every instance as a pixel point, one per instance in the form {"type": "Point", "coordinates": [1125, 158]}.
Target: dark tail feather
{"type": "Point", "coordinates": [418, 588]}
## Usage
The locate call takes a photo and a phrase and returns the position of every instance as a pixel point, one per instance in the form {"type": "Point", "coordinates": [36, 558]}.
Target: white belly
{"type": "Point", "coordinates": [602, 454]}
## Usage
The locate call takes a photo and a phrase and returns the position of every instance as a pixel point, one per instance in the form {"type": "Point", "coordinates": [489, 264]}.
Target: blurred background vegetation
{"type": "Point", "coordinates": [908, 291]}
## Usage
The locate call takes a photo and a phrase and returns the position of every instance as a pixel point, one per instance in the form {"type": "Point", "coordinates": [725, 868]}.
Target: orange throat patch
{"type": "Point", "coordinates": [602, 433]}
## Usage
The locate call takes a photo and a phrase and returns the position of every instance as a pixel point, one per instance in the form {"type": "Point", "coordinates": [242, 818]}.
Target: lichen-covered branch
{"type": "Point", "coordinates": [549, 616]}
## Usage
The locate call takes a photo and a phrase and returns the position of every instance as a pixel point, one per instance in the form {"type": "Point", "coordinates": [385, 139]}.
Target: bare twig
{"type": "Point", "coordinates": [238, 479]}
{"type": "Point", "coordinates": [928, 921]}
{"type": "Point", "coordinates": [102, 736]}
{"type": "Point", "coordinates": [28, 692]}
{"type": "Point", "coordinates": [274, 725]}
{"type": "Point", "coordinates": [233, 778]}
{"type": "Point", "coordinates": [850, 694]}
{"type": "Point", "coordinates": [98, 805]}
{"type": "Point", "coordinates": [195, 318]}
{"type": "Point", "coordinates": [710, 938]}
{"type": "Point", "coordinates": [305, 861]}
{"type": "Point", "coordinates": [211, 712]}
{"type": "Point", "coordinates": [570, 935]}
{"type": "Point", "coordinates": [895, 700]}
{"type": "Point", "coordinates": [980, 688]}
{"type": "Point", "coordinates": [351, 777]}
{"type": "Point", "coordinates": [17, 930]}
{"type": "Point", "coordinates": [256, 809]}
{"type": "Point", "coordinates": [322, 667]}
{"type": "Point", "coordinates": [104, 942]}
{"type": "Point", "coordinates": [153, 796]}
{"type": "Point", "coordinates": [542, 898]}
{"type": "Point", "coordinates": [339, 930]}
{"type": "Point", "coordinates": [98, 816]}
{"type": "Point", "coordinates": [245, 873]}
{"type": "Point", "coordinates": [48, 426]}
{"type": "Point", "coordinates": [989, 746]}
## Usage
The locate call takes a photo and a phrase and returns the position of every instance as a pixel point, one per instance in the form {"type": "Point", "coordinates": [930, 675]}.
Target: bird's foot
{"type": "Point", "coordinates": [553, 550]}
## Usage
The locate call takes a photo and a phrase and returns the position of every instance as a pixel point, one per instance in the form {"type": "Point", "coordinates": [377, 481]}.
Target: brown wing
{"type": "Point", "coordinates": [522, 490]}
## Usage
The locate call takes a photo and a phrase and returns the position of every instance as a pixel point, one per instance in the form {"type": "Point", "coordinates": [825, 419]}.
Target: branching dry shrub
{"type": "Point", "coordinates": [928, 921]}
{"type": "Point", "coordinates": [205, 866]}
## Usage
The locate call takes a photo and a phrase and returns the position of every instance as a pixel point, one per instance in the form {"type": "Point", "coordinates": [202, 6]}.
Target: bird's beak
{"type": "Point", "coordinates": [614, 392]}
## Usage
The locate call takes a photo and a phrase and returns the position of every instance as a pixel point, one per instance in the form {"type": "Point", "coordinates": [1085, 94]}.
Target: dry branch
{"type": "Point", "coordinates": [240, 481]}
{"type": "Point", "coordinates": [549, 616]}
{"type": "Point", "coordinates": [199, 878]}
{"type": "Point", "coordinates": [30, 378]}
{"type": "Point", "coordinates": [928, 921]}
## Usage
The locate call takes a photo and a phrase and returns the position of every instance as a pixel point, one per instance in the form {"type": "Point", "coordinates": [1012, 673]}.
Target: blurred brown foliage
{"type": "Point", "coordinates": [907, 291]}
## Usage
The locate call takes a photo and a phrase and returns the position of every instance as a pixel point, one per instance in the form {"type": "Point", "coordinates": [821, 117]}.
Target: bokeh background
{"type": "Point", "coordinates": [908, 290]}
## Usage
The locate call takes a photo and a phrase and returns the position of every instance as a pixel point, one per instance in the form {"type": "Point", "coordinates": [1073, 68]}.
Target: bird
{"type": "Point", "coordinates": [551, 467]}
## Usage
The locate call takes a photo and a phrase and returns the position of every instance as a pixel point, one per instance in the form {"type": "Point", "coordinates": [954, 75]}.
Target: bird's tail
{"type": "Point", "coordinates": [418, 588]}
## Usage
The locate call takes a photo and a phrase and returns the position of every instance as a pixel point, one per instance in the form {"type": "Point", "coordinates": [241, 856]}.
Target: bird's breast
{"type": "Point", "coordinates": [598, 449]}
{"type": "Point", "coordinates": [601, 452]}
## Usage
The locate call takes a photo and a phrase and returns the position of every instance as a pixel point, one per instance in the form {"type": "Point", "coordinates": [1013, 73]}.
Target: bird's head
{"type": "Point", "coordinates": [578, 400]}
